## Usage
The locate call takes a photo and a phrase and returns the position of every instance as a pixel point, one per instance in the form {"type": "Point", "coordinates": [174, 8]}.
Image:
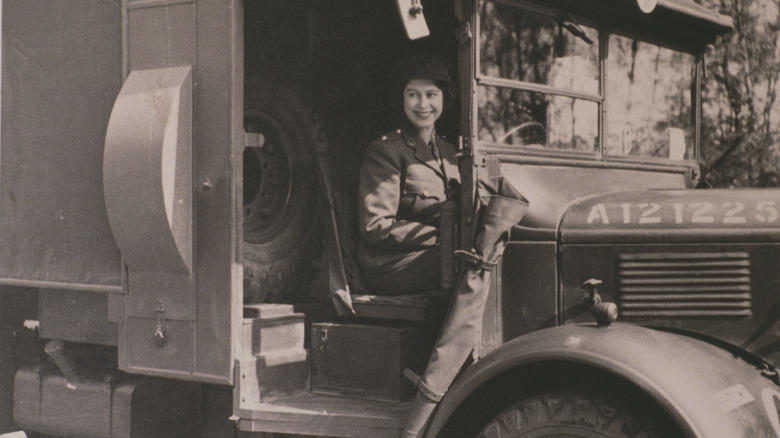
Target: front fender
{"type": "Point", "coordinates": [708, 391]}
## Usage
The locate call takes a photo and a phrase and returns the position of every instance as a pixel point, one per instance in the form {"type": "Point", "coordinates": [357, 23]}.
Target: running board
{"type": "Point", "coordinates": [326, 415]}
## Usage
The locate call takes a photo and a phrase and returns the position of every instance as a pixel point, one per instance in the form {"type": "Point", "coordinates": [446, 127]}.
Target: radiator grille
{"type": "Point", "coordinates": [674, 285]}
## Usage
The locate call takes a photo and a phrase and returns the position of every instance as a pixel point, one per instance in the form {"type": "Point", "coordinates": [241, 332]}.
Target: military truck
{"type": "Point", "coordinates": [177, 201]}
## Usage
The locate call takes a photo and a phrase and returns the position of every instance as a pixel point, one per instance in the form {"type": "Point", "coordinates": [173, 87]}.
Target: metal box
{"type": "Point", "coordinates": [103, 406]}
{"type": "Point", "coordinates": [367, 360]}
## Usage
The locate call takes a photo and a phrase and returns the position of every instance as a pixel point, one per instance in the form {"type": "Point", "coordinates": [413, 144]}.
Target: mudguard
{"type": "Point", "coordinates": [707, 390]}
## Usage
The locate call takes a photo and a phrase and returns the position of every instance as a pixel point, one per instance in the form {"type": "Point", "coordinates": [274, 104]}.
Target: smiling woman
{"type": "Point", "coordinates": [404, 179]}
{"type": "Point", "coordinates": [423, 104]}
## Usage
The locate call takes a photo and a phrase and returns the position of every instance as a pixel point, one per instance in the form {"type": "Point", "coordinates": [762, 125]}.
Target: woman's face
{"type": "Point", "coordinates": [423, 103]}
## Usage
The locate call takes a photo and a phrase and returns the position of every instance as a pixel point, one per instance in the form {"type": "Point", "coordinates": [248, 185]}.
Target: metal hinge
{"type": "Point", "coordinates": [463, 33]}
{"type": "Point", "coordinates": [465, 150]}
{"type": "Point", "coordinates": [464, 147]}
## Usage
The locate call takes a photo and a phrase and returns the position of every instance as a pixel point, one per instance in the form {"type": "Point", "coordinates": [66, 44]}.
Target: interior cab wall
{"type": "Point", "coordinates": [341, 55]}
{"type": "Point", "coordinates": [62, 85]}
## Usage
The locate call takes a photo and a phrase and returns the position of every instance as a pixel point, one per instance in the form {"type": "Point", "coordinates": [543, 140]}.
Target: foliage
{"type": "Point", "coordinates": [649, 98]}
{"type": "Point", "coordinates": [740, 106]}
{"type": "Point", "coordinates": [647, 104]}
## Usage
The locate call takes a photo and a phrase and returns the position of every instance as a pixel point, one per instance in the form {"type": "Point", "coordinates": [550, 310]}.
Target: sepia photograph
{"type": "Point", "coordinates": [389, 218]}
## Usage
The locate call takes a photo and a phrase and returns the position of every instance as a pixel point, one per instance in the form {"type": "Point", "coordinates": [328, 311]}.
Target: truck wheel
{"type": "Point", "coordinates": [279, 192]}
{"type": "Point", "coordinates": [571, 414]}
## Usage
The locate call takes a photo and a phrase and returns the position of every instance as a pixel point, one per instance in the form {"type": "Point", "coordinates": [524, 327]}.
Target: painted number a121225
{"type": "Point", "coordinates": [646, 213]}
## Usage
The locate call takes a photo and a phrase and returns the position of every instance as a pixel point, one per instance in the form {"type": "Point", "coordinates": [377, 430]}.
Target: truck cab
{"type": "Point", "coordinates": [177, 201]}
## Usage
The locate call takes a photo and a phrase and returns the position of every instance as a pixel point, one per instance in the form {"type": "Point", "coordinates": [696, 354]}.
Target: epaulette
{"type": "Point", "coordinates": [394, 134]}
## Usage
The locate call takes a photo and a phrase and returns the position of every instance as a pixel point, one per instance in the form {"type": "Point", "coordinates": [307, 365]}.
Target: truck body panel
{"type": "Point", "coordinates": [57, 89]}
{"type": "Point", "coordinates": [689, 378]}
{"type": "Point", "coordinates": [673, 216]}
{"type": "Point", "coordinates": [127, 148]}
{"type": "Point", "coordinates": [552, 185]}
{"type": "Point", "coordinates": [198, 308]}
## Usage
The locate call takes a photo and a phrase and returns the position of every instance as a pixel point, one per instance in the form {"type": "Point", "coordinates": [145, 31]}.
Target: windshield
{"type": "Point", "coordinates": [540, 87]}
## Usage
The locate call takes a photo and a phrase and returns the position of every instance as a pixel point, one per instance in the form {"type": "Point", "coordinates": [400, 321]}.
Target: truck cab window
{"type": "Point", "coordinates": [539, 80]}
{"type": "Point", "coordinates": [648, 104]}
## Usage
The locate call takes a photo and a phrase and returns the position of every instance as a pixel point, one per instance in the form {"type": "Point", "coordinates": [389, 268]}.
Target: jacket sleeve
{"type": "Point", "coordinates": [379, 198]}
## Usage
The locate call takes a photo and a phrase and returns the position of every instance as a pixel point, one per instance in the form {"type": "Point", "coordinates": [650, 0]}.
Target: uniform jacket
{"type": "Point", "coordinates": [401, 188]}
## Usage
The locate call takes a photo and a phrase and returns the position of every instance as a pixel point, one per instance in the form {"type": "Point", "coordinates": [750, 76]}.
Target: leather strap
{"type": "Point", "coordinates": [476, 260]}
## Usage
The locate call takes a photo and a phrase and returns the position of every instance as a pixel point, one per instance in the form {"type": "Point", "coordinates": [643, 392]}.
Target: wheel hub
{"type": "Point", "coordinates": [268, 178]}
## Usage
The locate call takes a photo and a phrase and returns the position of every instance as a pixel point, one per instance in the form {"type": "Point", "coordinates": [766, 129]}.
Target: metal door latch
{"type": "Point", "coordinates": [159, 330]}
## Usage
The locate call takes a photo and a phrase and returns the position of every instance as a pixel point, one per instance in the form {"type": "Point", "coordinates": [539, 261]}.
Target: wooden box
{"type": "Point", "coordinates": [272, 328]}
{"type": "Point", "coordinates": [367, 360]}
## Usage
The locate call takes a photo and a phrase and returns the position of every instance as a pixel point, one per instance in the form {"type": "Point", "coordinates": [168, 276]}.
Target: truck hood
{"type": "Point", "coordinates": [673, 216]}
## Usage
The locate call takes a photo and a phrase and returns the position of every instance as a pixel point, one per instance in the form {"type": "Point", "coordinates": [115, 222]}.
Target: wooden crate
{"type": "Point", "coordinates": [366, 360]}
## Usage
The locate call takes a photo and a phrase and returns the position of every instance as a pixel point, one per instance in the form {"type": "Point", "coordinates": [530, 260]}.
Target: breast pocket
{"type": "Point", "coordinates": [418, 196]}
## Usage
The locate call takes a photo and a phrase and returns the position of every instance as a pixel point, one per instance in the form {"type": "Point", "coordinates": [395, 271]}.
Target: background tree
{"type": "Point", "coordinates": [741, 121]}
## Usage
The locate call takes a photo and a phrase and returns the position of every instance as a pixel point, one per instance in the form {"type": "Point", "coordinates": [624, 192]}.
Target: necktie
{"type": "Point", "coordinates": [437, 156]}
{"type": "Point", "coordinates": [434, 151]}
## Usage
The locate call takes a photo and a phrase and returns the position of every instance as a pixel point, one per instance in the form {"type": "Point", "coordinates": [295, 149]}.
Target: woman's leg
{"type": "Point", "coordinates": [458, 336]}
{"type": "Point", "coordinates": [412, 273]}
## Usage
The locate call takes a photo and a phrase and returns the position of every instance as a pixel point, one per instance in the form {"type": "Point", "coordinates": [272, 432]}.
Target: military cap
{"type": "Point", "coordinates": [424, 66]}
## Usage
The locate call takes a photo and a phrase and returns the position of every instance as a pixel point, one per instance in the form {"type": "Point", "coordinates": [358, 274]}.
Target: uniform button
{"type": "Point", "coordinates": [411, 142]}
{"type": "Point", "coordinates": [384, 137]}
{"type": "Point", "coordinates": [397, 131]}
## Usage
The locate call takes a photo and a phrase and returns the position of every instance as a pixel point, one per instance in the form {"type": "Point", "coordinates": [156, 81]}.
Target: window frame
{"type": "Point", "coordinates": [604, 33]}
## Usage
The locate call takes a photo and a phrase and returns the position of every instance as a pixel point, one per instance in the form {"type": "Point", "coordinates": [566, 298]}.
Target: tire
{"type": "Point", "coordinates": [573, 414]}
{"type": "Point", "coordinates": [280, 239]}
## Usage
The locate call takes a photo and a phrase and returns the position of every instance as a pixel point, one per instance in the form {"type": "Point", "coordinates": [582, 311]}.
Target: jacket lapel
{"type": "Point", "coordinates": [422, 152]}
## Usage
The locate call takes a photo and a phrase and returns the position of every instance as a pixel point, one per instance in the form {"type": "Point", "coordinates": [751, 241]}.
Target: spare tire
{"type": "Point", "coordinates": [279, 192]}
